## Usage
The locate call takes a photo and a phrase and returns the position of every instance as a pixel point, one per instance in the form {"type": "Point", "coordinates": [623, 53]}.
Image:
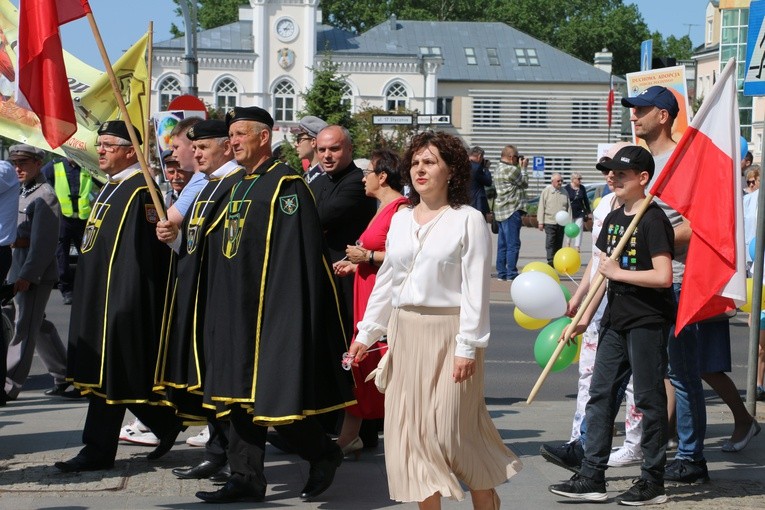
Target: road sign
{"type": "Point", "coordinates": [754, 77]}
{"type": "Point", "coordinates": [399, 120]}
{"type": "Point", "coordinates": [434, 119]}
{"type": "Point", "coordinates": [538, 167]}
{"type": "Point", "coordinates": [646, 55]}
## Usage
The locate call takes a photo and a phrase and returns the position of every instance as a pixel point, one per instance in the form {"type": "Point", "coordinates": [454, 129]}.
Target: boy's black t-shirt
{"type": "Point", "coordinates": [630, 306]}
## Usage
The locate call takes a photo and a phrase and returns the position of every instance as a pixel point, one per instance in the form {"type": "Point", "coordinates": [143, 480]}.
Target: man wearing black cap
{"type": "Point", "coordinates": [653, 113]}
{"type": "Point", "coordinates": [114, 328]}
{"type": "Point", "coordinates": [33, 273]}
{"type": "Point", "coordinates": [180, 374]}
{"type": "Point", "coordinates": [305, 145]}
{"type": "Point", "coordinates": [275, 353]}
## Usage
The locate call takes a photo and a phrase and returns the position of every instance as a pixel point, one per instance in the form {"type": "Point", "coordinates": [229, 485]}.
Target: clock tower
{"type": "Point", "coordinates": [284, 40]}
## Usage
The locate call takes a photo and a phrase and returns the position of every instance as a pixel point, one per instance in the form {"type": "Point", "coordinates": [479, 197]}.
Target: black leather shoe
{"type": "Point", "coordinates": [80, 463]}
{"type": "Point", "coordinates": [231, 493]}
{"type": "Point", "coordinates": [201, 470]}
{"type": "Point", "coordinates": [165, 443]}
{"type": "Point", "coordinates": [321, 474]}
{"type": "Point", "coordinates": [222, 475]}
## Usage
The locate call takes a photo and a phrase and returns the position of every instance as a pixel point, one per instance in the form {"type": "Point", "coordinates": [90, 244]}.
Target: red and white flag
{"type": "Point", "coordinates": [42, 82]}
{"type": "Point", "coordinates": [702, 181]}
{"type": "Point", "coordinates": [610, 102]}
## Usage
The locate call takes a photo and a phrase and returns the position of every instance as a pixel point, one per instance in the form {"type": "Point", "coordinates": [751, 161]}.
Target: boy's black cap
{"type": "Point", "coordinates": [632, 157]}
{"type": "Point", "coordinates": [207, 129]}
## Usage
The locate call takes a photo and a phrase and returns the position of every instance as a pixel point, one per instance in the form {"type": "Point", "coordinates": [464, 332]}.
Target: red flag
{"type": "Point", "coordinates": [702, 181]}
{"type": "Point", "coordinates": [42, 85]}
{"type": "Point", "coordinates": [610, 103]}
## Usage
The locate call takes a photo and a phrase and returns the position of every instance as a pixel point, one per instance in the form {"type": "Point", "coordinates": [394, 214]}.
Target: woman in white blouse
{"type": "Point", "coordinates": [432, 300]}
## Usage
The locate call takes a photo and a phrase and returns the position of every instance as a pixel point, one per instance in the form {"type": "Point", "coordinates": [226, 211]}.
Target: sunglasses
{"type": "Point", "coordinates": [749, 183]}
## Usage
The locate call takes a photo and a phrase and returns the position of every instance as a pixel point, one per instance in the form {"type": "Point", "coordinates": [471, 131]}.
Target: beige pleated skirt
{"type": "Point", "coordinates": [437, 432]}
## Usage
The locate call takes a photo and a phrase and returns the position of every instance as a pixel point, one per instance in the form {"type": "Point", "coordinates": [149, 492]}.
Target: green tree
{"type": "Point", "coordinates": [324, 98]}
{"type": "Point", "coordinates": [210, 14]}
{"type": "Point", "coordinates": [672, 47]}
{"type": "Point", "coordinates": [368, 136]}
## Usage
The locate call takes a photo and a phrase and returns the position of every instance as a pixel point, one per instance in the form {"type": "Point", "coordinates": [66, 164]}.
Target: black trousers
{"type": "Point", "coordinates": [6, 255]}
{"type": "Point", "coordinates": [644, 351]}
{"type": "Point", "coordinates": [215, 449]}
{"type": "Point", "coordinates": [101, 433]}
{"type": "Point", "coordinates": [553, 240]}
{"type": "Point", "coordinates": [247, 443]}
{"type": "Point", "coordinates": [70, 233]}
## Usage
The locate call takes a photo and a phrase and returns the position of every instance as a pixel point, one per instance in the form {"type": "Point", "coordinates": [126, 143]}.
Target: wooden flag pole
{"type": "Point", "coordinates": [594, 286]}
{"type": "Point", "coordinates": [126, 117]}
{"type": "Point", "coordinates": [147, 120]}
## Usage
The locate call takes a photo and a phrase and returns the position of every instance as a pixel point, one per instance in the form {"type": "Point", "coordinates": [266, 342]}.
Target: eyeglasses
{"type": "Point", "coordinates": [110, 147]}
{"type": "Point", "coordinates": [749, 183]}
{"type": "Point", "coordinates": [301, 139]}
{"type": "Point", "coordinates": [367, 171]}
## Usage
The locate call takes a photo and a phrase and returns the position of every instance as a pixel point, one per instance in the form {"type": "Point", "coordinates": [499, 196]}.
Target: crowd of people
{"type": "Point", "coordinates": [329, 299]}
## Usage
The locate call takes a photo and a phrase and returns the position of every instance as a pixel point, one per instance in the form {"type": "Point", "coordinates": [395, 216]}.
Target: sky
{"type": "Point", "coordinates": [122, 23]}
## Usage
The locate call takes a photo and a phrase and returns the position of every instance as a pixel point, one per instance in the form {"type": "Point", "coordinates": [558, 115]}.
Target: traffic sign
{"type": "Point", "coordinates": [754, 77]}
{"type": "Point", "coordinates": [646, 55]}
{"type": "Point", "coordinates": [434, 119]}
{"type": "Point", "coordinates": [538, 167]}
{"type": "Point", "coordinates": [399, 120]}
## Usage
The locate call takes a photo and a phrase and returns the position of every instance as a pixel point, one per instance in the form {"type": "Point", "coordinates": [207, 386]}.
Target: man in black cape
{"type": "Point", "coordinates": [182, 364]}
{"type": "Point", "coordinates": [273, 357]}
{"type": "Point", "coordinates": [114, 329]}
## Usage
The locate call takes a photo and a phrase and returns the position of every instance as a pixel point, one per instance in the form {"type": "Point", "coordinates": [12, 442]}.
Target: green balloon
{"type": "Point", "coordinates": [566, 292]}
{"type": "Point", "coordinates": [571, 230]}
{"type": "Point", "coordinates": [547, 341]}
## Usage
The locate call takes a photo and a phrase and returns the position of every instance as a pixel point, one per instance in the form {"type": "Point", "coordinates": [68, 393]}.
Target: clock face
{"type": "Point", "coordinates": [286, 29]}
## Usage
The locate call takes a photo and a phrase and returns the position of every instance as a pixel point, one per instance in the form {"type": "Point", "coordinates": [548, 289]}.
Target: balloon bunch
{"type": "Point", "coordinates": [540, 302]}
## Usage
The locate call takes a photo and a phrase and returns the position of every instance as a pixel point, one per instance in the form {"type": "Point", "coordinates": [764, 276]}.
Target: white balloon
{"type": "Point", "coordinates": [538, 295]}
{"type": "Point", "coordinates": [562, 218]}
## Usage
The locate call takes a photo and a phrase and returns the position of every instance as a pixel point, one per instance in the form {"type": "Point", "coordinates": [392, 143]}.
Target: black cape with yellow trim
{"type": "Point", "coordinates": [273, 334]}
{"type": "Point", "coordinates": [120, 287]}
{"type": "Point", "coordinates": [181, 365]}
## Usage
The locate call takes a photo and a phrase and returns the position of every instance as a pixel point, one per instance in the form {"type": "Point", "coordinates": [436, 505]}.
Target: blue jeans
{"type": "Point", "coordinates": [685, 376]}
{"type": "Point", "coordinates": [509, 246]}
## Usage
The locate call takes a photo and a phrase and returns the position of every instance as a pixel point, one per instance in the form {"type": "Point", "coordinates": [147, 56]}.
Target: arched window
{"type": "Point", "coordinates": [284, 102]}
{"type": "Point", "coordinates": [169, 89]}
{"type": "Point", "coordinates": [395, 97]}
{"type": "Point", "coordinates": [226, 94]}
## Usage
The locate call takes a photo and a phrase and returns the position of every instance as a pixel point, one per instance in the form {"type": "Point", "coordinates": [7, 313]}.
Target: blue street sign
{"type": "Point", "coordinates": [538, 163]}
{"type": "Point", "coordinates": [646, 55]}
{"type": "Point", "coordinates": [754, 76]}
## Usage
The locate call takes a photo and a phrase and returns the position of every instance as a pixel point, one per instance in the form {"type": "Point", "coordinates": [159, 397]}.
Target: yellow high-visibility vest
{"type": "Point", "coordinates": [64, 194]}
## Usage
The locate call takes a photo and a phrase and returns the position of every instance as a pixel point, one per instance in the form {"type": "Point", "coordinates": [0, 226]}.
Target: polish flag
{"type": "Point", "coordinates": [702, 181]}
{"type": "Point", "coordinates": [42, 85]}
{"type": "Point", "coordinates": [610, 103]}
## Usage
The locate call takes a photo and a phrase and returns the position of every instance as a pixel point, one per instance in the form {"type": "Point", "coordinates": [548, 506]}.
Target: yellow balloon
{"type": "Point", "coordinates": [567, 261]}
{"type": "Point", "coordinates": [542, 267]}
{"type": "Point", "coordinates": [527, 322]}
{"type": "Point", "coordinates": [595, 203]}
{"type": "Point", "coordinates": [747, 307]}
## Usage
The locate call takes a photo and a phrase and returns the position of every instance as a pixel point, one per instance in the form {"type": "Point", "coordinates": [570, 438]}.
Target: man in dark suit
{"type": "Point", "coordinates": [344, 208]}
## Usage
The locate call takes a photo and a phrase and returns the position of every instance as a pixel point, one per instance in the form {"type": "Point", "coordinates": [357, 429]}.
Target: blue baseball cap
{"type": "Point", "coordinates": [658, 96]}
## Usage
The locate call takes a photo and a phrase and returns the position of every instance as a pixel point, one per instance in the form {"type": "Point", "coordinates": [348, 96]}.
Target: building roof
{"type": "Point", "coordinates": [235, 36]}
{"type": "Point", "coordinates": [449, 38]}
{"type": "Point", "coordinates": [452, 37]}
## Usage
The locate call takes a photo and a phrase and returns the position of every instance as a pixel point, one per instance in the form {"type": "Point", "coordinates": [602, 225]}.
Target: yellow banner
{"type": "Point", "coordinates": [93, 98]}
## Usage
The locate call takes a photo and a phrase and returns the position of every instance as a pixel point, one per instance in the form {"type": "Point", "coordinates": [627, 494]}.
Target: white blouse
{"type": "Point", "coordinates": [451, 269]}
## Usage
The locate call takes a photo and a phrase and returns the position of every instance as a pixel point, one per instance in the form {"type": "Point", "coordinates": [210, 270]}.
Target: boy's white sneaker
{"type": "Point", "coordinates": [625, 456]}
{"type": "Point", "coordinates": [138, 433]}
{"type": "Point", "coordinates": [200, 439]}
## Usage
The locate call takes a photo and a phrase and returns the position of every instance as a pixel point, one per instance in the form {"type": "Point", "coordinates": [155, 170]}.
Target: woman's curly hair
{"type": "Point", "coordinates": [455, 156]}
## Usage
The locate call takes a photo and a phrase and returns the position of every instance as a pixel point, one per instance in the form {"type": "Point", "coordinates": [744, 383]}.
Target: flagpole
{"type": "Point", "coordinates": [147, 120]}
{"type": "Point", "coordinates": [126, 117]}
{"type": "Point", "coordinates": [594, 286]}
{"type": "Point", "coordinates": [754, 327]}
